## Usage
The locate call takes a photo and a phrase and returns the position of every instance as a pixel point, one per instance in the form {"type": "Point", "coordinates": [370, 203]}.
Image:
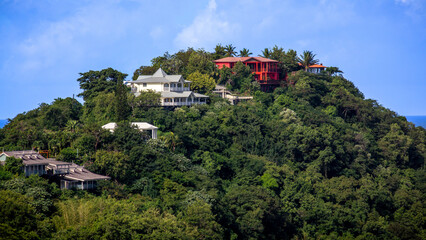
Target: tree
{"type": "Point", "coordinates": [307, 59]}
{"type": "Point", "coordinates": [266, 53]}
{"type": "Point", "coordinates": [333, 71]}
{"type": "Point", "coordinates": [18, 219]}
{"type": "Point", "coordinates": [201, 83]}
{"type": "Point", "coordinates": [146, 99]}
{"type": "Point", "coordinates": [242, 77]}
{"type": "Point", "coordinates": [113, 164]}
{"type": "Point", "coordinates": [14, 165]}
{"type": "Point", "coordinates": [172, 140]}
{"type": "Point", "coordinates": [245, 52]}
{"type": "Point", "coordinates": [230, 51]}
{"type": "Point", "coordinates": [143, 70]}
{"type": "Point", "coordinates": [96, 82]}
{"type": "Point", "coordinates": [395, 145]}
{"type": "Point", "coordinates": [200, 61]}
{"type": "Point", "coordinates": [122, 107]}
{"type": "Point", "coordinates": [219, 52]}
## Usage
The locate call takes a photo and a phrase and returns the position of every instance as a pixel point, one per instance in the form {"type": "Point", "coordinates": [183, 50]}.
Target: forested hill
{"type": "Point", "coordinates": [312, 160]}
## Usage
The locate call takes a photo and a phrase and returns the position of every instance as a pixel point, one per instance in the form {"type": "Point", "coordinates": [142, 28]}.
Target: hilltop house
{"type": "Point", "coordinates": [142, 126]}
{"type": "Point", "coordinates": [315, 68]}
{"type": "Point", "coordinates": [265, 71]}
{"type": "Point", "coordinates": [175, 91]}
{"type": "Point", "coordinates": [70, 175]}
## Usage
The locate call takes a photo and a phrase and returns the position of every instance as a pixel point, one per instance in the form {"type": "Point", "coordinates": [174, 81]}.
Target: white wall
{"type": "Point", "coordinates": [152, 86]}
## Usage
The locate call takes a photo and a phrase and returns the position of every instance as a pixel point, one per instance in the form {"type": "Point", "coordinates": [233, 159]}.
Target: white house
{"type": "Point", "coordinates": [142, 126]}
{"type": "Point", "coordinates": [175, 91]}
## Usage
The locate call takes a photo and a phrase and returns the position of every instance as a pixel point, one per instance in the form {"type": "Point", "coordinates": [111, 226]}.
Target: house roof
{"type": "Point", "coordinates": [317, 66]}
{"type": "Point", "coordinates": [184, 94]}
{"type": "Point", "coordinates": [200, 95]}
{"type": "Point", "coordinates": [140, 125]}
{"type": "Point", "coordinates": [158, 77]}
{"type": "Point", "coordinates": [244, 59]}
{"type": "Point", "coordinates": [110, 126]}
{"type": "Point", "coordinates": [29, 157]}
{"type": "Point", "coordinates": [81, 174]}
{"type": "Point", "coordinates": [144, 126]}
{"type": "Point", "coordinates": [314, 66]}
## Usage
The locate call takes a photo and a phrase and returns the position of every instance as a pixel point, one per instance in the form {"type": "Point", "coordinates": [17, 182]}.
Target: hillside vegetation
{"type": "Point", "coordinates": [312, 160]}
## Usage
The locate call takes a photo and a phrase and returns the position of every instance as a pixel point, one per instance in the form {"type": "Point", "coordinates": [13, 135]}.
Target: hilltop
{"type": "Point", "coordinates": [311, 159]}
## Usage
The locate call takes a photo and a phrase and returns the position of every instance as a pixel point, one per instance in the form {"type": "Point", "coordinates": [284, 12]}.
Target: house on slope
{"type": "Point", "coordinates": [142, 126]}
{"type": "Point", "coordinates": [315, 68]}
{"type": "Point", "coordinates": [70, 175]}
{"type": "Point", "coordinates": [226, 94]}
{"type": "Point", "coordinates": [265, 70]}
{"type": "Point", "coordinates": [175, 91]}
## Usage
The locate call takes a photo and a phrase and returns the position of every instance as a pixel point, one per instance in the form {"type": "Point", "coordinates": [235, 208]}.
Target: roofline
{"type": "Point", "coordinates": [83, 180]}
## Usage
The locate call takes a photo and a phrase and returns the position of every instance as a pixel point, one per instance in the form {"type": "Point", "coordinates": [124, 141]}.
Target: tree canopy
{"type": "Point", "coordinates": [314, 159]}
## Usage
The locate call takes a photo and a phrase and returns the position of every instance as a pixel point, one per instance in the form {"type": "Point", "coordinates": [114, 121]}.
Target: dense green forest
{"type": "Point", "coordinates": [312, 160]}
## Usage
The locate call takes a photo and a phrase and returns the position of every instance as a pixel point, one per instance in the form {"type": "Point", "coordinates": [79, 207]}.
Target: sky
{"type": "Point", "coordinates": [379, 44]}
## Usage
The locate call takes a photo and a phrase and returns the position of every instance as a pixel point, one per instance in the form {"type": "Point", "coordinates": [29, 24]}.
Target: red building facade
{"type": "Point", "coordinates": [265, 71]}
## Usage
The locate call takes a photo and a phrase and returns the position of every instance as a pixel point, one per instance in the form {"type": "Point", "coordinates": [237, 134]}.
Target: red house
{"type": "Point", "coordinates": [265, 70]}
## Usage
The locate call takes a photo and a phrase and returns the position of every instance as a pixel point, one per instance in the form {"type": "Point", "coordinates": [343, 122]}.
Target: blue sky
{"type": "Point", "coordinates": [379, 44]}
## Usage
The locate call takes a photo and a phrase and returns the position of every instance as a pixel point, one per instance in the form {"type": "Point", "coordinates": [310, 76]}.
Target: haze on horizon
{"type": "Point", "coordinates": [378, 44]}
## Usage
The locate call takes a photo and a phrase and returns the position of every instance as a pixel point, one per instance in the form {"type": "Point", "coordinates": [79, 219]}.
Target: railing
{"type": "Point", "coordinates": [177, 89]}
{"type": "Point", "coordinates": [181, 103]}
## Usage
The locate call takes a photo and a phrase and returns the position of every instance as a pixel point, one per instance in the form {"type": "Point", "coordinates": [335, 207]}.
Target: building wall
{"type": "Point", "coordinates": [152, 86]}
{"type": "Point", "coordinates": [34, 170]}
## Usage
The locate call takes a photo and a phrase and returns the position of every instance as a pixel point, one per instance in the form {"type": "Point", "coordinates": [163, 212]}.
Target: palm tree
{"type": "Point", "coordinates": [333, 71]}
{"type": "Point", "coordinates": [219, 51]}
{"type": "Point", "coordinates": [230, 51]}
{"type": "Point", "coordinates": [307, 59]}
{"type": "Point", "coordinates": [71, 125]}
{"type": "Point", "coordinates": [266, 53]}
{"type": "Point", "coordinates": [245, 52]}
{"type": "Point", "coordinates": [171, 139]}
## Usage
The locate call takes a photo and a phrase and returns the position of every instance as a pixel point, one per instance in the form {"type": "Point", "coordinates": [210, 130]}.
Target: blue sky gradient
{"type": "Point", "coordinates": [380, 45]}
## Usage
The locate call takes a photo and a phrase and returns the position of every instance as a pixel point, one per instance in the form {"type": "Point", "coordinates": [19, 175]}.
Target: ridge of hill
{"type": "Point", "coordinates": [312, 159]}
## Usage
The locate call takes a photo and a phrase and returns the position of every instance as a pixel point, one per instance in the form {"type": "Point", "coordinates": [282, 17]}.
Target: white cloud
{"type": "Point", "coordinates": [416, 9]}
{"type": "Point", "coordinates": [208, 28]}
{"type": "Point", "coordinates": [77, 37]}
{"type": "Point", "coordinates": [157, 32]}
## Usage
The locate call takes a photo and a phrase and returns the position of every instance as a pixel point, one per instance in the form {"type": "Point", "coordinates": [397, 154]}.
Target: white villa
{"type": "Point", "coordinates": [175, 91]}
{"type": "Point", "coordinates": [142, 126]}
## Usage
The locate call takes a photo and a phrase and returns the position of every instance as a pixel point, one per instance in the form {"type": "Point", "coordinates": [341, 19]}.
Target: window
{"type": "Point", "coordinates": [144, 85]}
{"type": "Point", "coordinates": [166, 85]}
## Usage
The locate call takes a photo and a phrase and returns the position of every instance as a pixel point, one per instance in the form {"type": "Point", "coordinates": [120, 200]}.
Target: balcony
{"type": "Point", "coordinates": [176, 89]}
{"type": "Point", "coordinates": [181, 103]}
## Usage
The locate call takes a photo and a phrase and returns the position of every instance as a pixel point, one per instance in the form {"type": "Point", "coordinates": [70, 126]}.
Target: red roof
{"type": "Point", "coordinates": [243, 59]}
{"type": "Point", "coordinates": [317, 66]}
{"type": "Point", "coordinates": [314, 66]}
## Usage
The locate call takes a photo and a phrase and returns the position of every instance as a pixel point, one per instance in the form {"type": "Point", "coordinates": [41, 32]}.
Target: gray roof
{"type": "Point", "coordinates": [81, 174]}
{"type": "Point", "coordinates": [200, 95]}
{"type": "Point", "coordinates": [181, 94]}
{"type": "Point", "coordinates": [159, 73]}
{"type": "Point", "coordinates": [159, 77]}
{"type": "Point", "coordinates": [175, 94]}
{"type": "Point", "coordinates": [29, 157]}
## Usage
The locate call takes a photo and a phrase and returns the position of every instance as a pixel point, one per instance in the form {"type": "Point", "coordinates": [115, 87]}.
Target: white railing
{"type": "Point", "coordinates": [181, 103]}
{"type": "Point", "coordinates": [177, 89]}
